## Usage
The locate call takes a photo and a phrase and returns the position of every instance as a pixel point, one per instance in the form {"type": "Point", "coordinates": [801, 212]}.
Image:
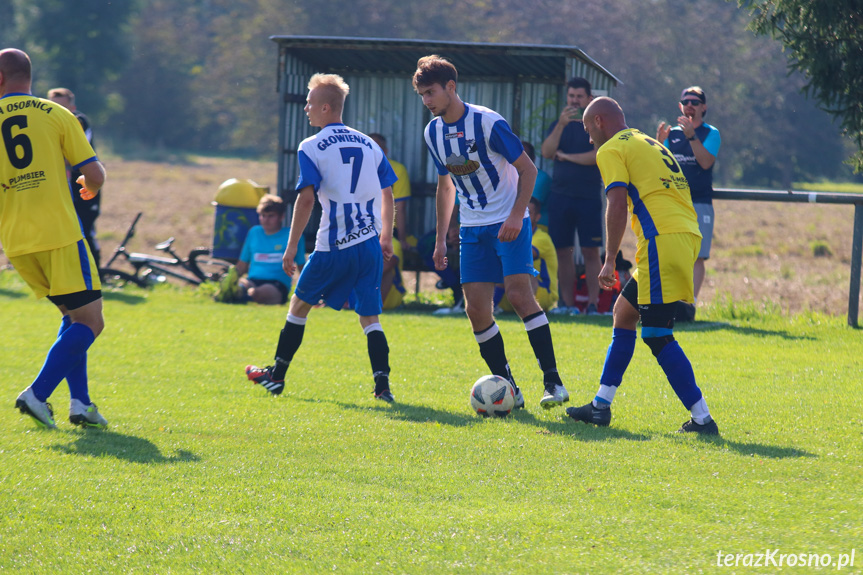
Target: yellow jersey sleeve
{"type": "Point", "coordinates": [402, 188]}
{"type": "Point", "coordinates": [657, 192]}
{"type": "Point", "coordinates": [36, 209]}
{"type": "Point", "coordinates": [545, 263]}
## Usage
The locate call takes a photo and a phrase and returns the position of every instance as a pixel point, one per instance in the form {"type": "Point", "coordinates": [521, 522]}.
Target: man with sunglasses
{"type": "Point", "coordinates": [695, 146]}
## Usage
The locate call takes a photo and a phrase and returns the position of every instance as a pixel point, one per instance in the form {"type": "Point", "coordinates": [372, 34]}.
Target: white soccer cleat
{"type": "Point", "coordinates": [86, 415]}
{"type": "Point", "coordinates": [554, 395]}
{"type": "Point", "coordinates": [40, 411]}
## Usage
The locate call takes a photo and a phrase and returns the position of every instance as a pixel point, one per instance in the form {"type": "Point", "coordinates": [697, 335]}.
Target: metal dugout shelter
{"type": "Point", "coordinates": [524, 83]}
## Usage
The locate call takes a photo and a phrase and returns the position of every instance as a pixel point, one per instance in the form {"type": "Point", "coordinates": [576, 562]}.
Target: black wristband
{"type": "Point", "coordinates": [690, 139]}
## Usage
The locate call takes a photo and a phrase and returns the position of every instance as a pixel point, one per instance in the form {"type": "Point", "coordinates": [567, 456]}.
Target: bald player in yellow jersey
{"type": "Point", "coordinates": [42, 236]}
{"type": "Point", "coordinates": [642, 178]}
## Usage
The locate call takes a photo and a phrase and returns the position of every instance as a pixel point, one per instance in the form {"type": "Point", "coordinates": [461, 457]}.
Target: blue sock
{"type": "Point", "coordinates": [679, 372]}
{"type": "Point", "coordinates": [618, 357]}
{"type": "Point", "coordinates": [66, 353]}
{"type": "Point", "coordinates": [77, 377]}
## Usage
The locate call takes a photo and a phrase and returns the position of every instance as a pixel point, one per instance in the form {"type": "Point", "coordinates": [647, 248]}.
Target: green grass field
{"type": "Point", "coordinates": [201, 472]}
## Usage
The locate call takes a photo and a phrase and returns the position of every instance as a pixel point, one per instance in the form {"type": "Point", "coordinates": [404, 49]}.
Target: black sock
{"type": "Point", "coordinates": [492, 350]}
{"type": "Point", "coordinates": [379, 353]}
{"type": "Point", "coordinates": [539, 334]}
{"type": "Point", "coordinates": [289, 342]}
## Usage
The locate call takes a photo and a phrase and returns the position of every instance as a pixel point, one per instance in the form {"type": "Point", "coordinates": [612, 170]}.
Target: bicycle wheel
{"type": "Point", "coordinates": [211, 269]}
{"type": "Point", "coordinates": [118, 278]}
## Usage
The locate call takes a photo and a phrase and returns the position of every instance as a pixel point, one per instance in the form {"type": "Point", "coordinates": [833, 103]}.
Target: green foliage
{"type": "Point", "coordinates": [78, 45]}
{"type": "Point", "coordinates": [200, 75]}
{"type": "Point", "coordinates": [834, 187]}
{"type": "Point", "coordinates": [826, 45]}
{"type": "Point", "coordinates": [820, 249]}
{"type": "Point", "coordinates": [201, 472]}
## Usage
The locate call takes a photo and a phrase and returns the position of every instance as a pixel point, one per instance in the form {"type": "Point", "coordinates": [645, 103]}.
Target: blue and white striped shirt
{"type": "Point", "coordinates": [348, 171]}
{"type": "Point", "coordinates": [477, 151]}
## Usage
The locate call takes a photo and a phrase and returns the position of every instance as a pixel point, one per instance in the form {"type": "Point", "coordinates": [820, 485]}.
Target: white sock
{"type": "Point", "coordinates": [604, 396]}
{"type": "Point", "coordinates": [700, 413]}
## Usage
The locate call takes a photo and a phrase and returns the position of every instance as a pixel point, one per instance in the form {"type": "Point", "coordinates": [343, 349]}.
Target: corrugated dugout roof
{"type": "Point", "coordinates": [399, 56]}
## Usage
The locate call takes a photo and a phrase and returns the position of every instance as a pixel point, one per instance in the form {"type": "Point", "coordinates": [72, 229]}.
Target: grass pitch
{"type": "Point", "coordinates": [202, 472]}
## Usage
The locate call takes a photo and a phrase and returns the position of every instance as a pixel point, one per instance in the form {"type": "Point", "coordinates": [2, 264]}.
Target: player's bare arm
{"type": "Point", "coordinates": [444, 202]}
{"type": "Point", "coordinates": [511, 228]}
{"type": "Point", "coordinates": [303, 206]}
{"type": "Point", "coordinates": [91, 180]}
{"type": "Point", "coordinates": [615, 222]}
{"type": "Point", "coordinates": [387, 212]}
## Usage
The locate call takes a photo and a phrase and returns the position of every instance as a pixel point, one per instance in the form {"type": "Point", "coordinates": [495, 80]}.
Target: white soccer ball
{"type": "Point", "coordinates": [492, 396]}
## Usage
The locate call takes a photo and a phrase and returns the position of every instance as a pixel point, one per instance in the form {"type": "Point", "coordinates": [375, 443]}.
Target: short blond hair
{"type": "Point", "coordinates": [271, 203]}
{"type": "Point", "coordinates": [332, 88]}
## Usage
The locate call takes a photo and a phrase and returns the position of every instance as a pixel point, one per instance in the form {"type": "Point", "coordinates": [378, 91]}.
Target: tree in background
{"type": "Point", "coordinates": [80, 45]}
{"type": "Point", "coordinates": [825, 41]}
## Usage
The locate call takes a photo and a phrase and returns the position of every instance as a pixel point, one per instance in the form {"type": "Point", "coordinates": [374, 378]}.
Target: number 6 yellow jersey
{"type": "Point", "coordinates": [36, 209]}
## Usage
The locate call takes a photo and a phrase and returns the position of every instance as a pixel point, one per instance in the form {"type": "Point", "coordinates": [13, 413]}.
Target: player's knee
{"type": "Point", "coordinates": [657, 344]}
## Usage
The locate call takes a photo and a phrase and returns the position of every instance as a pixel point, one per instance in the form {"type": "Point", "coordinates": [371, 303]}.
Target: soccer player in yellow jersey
{"type": "Point", "coordinates": [642, 177]}
{"type": "Point", "coordinates": [41, 233]}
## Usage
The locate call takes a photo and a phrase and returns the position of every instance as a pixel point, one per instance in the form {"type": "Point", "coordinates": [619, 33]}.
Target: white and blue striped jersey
{"type": "Point", "coordinates": [477, 151]}
{"type": "Point", "coordinates": [348, 171]}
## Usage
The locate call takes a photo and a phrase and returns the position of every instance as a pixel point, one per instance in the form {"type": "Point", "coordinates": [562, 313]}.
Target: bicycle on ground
{"type": "Point", "coordinates": [197, 268]}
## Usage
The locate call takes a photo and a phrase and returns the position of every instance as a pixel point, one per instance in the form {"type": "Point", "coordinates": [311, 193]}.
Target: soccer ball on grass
{"type": "Point", "coordinates": [492, 396]}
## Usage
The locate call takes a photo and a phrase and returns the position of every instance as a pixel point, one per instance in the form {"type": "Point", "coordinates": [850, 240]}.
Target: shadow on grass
{"type": "Point", "coordinates": [706, 326]}
{"type": "Point", "coordinates": [753, 449]}
{"type": "Point", "coordinates": [104, 443]}
{"type": "Point", "coordinates": [425, 414]}
{"type": "Point", "coordinates": [123, 297]}
{"type": "Point", "coordinates": [406, 412]}
{"type": "Point", "coordinates": [11, 294]}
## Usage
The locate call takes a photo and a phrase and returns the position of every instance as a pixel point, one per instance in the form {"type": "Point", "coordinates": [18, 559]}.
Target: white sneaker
{"type": "Point", "coordinates": [559, 310]}
{"type": "Point", "coordinates": [40, 411]}
{"type": "Point", "coordinates": [456, 309]}
{"type": "Point", "coordinates": [554, 395]}
{"type": "Point", "coordinates": [86, 415]}
{"type": "Point", "coordinates": [519, 397]}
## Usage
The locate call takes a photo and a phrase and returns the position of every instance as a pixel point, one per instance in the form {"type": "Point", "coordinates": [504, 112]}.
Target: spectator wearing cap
{"type": "Point", "coordinates": [695, 145]}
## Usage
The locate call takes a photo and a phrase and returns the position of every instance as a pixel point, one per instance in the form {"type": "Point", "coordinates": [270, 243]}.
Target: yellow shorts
{"type": "Point", "coordinates": [66, 270]}
{"type": "Point", "coordinates": [664, 267]}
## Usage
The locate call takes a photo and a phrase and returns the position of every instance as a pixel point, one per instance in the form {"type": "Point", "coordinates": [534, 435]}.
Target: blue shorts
{"type": "Point", "coordinates": [484, 258]}
{"type": "Point", "coordinates": [332, 276]}
{"type": "Point", "coordinates": [567, 214]}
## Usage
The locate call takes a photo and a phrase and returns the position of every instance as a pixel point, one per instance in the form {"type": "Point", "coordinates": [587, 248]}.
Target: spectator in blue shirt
{"type": "Point", "coordinates": [695, 145]}
{"type": "Point", "coordinates": [259, 275]}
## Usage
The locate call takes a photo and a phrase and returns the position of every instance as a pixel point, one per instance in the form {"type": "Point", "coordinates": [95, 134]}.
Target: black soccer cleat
{"type": "Point", "coordinates": [708, 428]}
{"type": "Point", "coordinates": [590, 414]}
{"type": "Point", "coordinates": [263, 376]}
{"type": "Point", "coordinates": [382, 388]}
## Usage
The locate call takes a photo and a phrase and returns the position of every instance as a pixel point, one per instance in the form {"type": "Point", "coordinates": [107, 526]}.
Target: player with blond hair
{"type": "Point", "coordinates": [352, 179]}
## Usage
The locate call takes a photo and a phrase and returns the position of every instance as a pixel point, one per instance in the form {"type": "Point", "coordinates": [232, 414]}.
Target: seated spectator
{"type": "Point", "coordinates": [392, 286]}
{"type": "Point", "coordinates": [541, 188]}
{"type": "Point", "coordinates": [449, 277]}
{"type": "Point", "coordinates": [544, 260]}
{"type": "Point", "coordinates": [261, 258]}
